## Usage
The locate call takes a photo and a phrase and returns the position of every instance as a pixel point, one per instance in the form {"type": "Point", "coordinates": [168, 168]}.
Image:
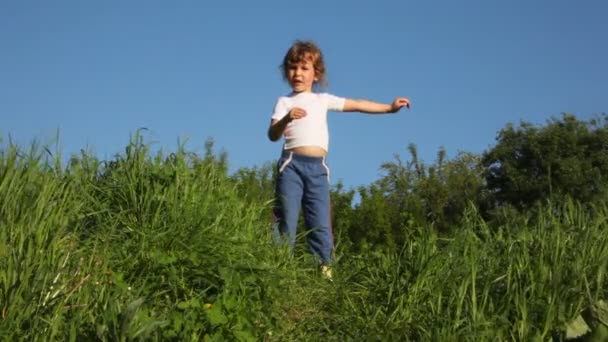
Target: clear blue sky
{"type": "Point", "coordinates": [98, 70]}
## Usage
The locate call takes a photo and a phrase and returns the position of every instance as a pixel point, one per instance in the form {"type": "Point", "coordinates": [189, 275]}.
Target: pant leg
{"type": "Point", "coordinates": [317, 211]}
{"type": "Point", "coordinates": [289, 189]}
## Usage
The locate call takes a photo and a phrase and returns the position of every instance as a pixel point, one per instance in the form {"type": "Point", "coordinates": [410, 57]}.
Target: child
{"type": "Point", "coordinates": [303, 174]}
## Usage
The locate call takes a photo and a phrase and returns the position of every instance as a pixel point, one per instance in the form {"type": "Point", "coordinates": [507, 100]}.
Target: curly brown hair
{"type": "Point", "coordinates": [301, 51]}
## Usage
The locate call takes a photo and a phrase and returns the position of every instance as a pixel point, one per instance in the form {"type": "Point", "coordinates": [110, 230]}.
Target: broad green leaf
{"type": "Point", "coordinates": [215, 315]}
{"type": "Point", "coordinates": [577, 328]}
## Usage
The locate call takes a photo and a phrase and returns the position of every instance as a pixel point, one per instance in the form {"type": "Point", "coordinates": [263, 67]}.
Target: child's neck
{"type": "Point", "coordinates": [308, 91]}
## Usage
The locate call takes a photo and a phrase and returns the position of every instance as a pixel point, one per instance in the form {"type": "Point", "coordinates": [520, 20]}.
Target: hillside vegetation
{"type": "Point", "coordinates": [508, 245]}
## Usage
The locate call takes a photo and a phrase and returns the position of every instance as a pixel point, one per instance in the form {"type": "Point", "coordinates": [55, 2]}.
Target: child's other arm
{"type": "Point", "coordinates": [277, 127]}
{"type": "Point", "coordinates": [371, 107]}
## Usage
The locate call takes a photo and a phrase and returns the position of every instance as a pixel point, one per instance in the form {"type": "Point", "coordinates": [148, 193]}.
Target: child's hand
{"type": "Point", "coordinates": [399, 103]}
{"type": "Point", "coordinates": [296, 113]}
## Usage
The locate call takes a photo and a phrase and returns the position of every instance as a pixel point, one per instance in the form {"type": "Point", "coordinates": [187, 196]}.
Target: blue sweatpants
{"type": "Point", "coordinates": [303, 183]}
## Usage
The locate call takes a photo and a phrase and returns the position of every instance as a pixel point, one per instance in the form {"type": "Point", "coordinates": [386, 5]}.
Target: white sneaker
{"type": "Point", "coordinates": [326, 271]}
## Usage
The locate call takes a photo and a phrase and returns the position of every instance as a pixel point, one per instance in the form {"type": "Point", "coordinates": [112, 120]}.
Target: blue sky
{"type": "Point", "coordinates": [97, 71]}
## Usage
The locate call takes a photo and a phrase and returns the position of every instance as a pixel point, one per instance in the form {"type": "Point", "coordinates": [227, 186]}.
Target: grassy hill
{"type": "Point", "coordinates": [167, 247]}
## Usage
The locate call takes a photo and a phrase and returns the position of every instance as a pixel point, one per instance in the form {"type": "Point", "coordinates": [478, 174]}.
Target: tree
{"type": "Point", "coordinates": [413, 194]}
{"type": "Point", "coordinates": [567, 157]}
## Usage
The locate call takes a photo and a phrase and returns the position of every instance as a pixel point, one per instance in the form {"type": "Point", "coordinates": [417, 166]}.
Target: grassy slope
{"type": "Point", "coordinates": [166, 248]}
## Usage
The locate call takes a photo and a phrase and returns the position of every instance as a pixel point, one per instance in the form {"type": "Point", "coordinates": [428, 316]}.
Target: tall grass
{"type": "Point", "coordinates": [166, 247]}
{"type": "Point", "coordinates": [514, 283]}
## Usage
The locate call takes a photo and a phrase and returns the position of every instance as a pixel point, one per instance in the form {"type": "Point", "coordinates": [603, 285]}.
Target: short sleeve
{"type": "Point", "coordinates": [334, 103]}
{"type": "Point", "coordinates": [280, 109]}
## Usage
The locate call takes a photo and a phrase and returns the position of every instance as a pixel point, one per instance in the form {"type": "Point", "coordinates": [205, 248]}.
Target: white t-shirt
{"type": "Point", "coordinates": [312, 129]}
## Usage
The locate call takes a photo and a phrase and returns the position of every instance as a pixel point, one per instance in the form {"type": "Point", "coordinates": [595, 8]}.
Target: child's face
{"type": "Point", "coordinates": [301, 76]}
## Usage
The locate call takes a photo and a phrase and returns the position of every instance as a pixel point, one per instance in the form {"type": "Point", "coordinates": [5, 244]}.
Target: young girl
{"type": "Point", "coordinates": [303, 174]}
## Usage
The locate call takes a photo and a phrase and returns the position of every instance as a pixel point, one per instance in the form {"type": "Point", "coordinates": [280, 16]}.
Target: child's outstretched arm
{"type": "Point", "coordinates": [371, 107]}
